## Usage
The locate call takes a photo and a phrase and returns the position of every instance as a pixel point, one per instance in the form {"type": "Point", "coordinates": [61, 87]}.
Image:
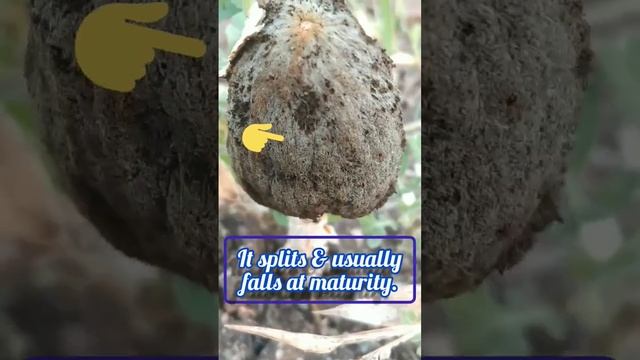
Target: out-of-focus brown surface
{"type": "Point", "coordinates": [576, 291]}
{"type": "Point", "coordinates": [64, 290]}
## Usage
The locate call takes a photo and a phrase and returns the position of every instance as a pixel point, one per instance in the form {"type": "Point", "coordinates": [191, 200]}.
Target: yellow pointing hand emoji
{"type": "Point", "coordinates": [255, 137]}
{"type": "Point", "coordinates": [113, 52]}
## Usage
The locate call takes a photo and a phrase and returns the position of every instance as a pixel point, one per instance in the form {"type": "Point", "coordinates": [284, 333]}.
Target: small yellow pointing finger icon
{"type": "Point", "coordinates": [256, 136]}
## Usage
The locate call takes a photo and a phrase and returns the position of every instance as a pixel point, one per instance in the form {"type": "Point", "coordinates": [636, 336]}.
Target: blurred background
{"type": "Point", "coordinates": [63, 289]}
{"type": "Point", "coordinates": [575, 293]}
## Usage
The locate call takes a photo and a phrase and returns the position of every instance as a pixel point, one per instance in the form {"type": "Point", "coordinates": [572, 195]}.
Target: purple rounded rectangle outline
{"type": "Point", "coordinates": [339, 237]}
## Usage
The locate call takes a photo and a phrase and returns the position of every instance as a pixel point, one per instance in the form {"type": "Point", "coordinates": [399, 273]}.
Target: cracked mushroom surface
{"type": "Point", "coordinates": [327, 87]}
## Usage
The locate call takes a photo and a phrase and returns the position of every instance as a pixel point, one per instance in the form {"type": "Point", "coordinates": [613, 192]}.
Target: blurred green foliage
{"type": "Point", "coordinates": [196, 302]}
{"type": "Point", "coordinates": [13, 30]}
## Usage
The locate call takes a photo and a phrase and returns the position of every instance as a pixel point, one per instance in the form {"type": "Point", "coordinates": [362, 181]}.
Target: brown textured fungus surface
{"type": "Point", "coordinates": [141, 166]}
{"type": "Point", "coordinates": [502, 84]}
{"type": "Point", "coordinates": [327, 87]}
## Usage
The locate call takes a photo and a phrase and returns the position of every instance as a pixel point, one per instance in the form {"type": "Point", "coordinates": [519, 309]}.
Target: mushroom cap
{"type": "Point", "coordinates": [327, 87]}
